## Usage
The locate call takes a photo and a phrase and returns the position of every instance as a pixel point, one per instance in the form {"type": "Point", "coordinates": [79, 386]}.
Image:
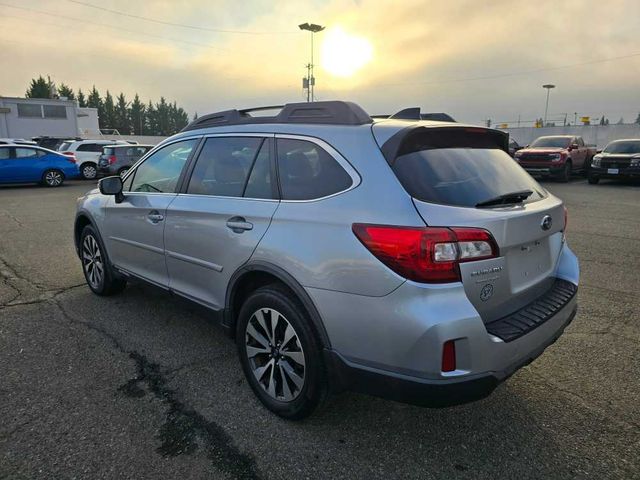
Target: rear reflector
{"type": "Point", "coordinates": [426, 254]}
{"type": "Point", "coordinates": [449, 356]}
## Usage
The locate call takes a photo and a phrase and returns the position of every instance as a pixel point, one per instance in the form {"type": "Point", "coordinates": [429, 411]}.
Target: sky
{"type": "Point", "coordinates": [474, 59]}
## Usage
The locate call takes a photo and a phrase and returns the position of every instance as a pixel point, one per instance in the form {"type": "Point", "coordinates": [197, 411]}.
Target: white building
{"type": "Point", "coordinates": [34, 117]}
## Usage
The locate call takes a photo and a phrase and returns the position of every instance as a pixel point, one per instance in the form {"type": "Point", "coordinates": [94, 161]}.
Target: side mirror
{"type": "Point", "coordinates": [573, 146]}
{"type": "Point", "coordinates": [112, 186]}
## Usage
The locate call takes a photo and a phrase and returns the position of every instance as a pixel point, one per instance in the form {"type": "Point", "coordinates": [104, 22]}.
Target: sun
{"type": "Point", "coordinates": [343, 54]}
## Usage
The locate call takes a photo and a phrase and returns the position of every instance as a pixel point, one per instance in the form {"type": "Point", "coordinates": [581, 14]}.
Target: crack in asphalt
{"type": "Point", "coordinates": [185, 429]}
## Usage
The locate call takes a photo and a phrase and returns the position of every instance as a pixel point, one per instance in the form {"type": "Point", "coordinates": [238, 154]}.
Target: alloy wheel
{"type": "Point", "coordinates": [53, 178]}
{"type": "Point", "coordinates": [275, 354]}
{"type": "Point", "coordinates": [89, 172]}
{"type": "Point", "coordinates": [92, 261]}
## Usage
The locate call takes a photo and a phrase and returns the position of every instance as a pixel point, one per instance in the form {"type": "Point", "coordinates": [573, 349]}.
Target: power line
{"type": "Point", "coordinates": [162, 22]}
{"type": "Point", "coordinates": [106, 25]}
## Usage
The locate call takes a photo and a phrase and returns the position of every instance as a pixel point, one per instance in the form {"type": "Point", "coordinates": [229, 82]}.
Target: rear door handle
{"type": "Point", "coordinates": [239, 224]}
{"type": "Point", "coordinates": [154, 216]}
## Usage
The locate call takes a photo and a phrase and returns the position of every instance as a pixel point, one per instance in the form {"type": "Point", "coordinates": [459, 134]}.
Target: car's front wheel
{"type": "Point", "coordinates": [280, 353]}
{"type": "Point", "coordinates": [95, 265]}
{"type": "Point", "coordinates": [53, 178]}
{"type": "Point", "coordinates": [565, 175]}
{"type": "Point", "coordinates": [89, 171]}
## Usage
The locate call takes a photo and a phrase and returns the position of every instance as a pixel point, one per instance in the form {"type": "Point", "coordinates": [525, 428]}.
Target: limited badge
{"type": "Point", "coordinates": [486, 292]}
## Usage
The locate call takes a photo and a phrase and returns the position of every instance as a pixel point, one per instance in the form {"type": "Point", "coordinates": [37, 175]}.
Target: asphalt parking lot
{"type": "Point", "coordinates": [144, 385]}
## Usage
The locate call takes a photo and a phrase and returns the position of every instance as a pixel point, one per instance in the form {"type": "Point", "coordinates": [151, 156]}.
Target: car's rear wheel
{"type": "Point", "coordinates": [96, 266]}
{"type": "Point", "coordinates": [565, 175]}
{"type": "Point", "coordinates": [593, 180]}
{"type": "Point", "coordinates": [53, 178]}
{"type": "Point", "coordinates": [280, 353]}
{"type": "Point", "coordinates": [89, 171]}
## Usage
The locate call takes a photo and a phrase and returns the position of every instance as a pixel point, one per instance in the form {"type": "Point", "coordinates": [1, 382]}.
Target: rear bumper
{"type": "Point", "coordinates": [346, 375]}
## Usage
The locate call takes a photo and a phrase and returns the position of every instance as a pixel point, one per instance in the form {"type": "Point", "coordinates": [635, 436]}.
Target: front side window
{"type": "Point", "coordinates": [161, 171]}
{"type": "Point", "coordinates": [308, 172]}
{"type": "Point", "coordinates": [223, 166]}
{"type": "Point", "coordinates": [26, 153]}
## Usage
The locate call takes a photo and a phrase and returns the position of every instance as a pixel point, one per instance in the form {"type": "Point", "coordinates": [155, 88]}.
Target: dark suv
{"type": "Point", "coordinates": [117, 159]}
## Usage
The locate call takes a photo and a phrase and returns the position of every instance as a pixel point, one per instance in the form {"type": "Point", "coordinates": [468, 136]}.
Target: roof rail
{"type": "Point", "coordinates": [328, 113]}
{"type": "Point", "coordinates": [413, 113]}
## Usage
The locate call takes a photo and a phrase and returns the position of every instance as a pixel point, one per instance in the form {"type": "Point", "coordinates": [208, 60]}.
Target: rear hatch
{"type": "Point", "coordinates": [464, 177]}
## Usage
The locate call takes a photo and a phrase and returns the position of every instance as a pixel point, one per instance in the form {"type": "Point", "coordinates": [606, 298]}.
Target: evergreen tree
{"type": "Point", "coordinates": [122, 120]}
{"type": "Point", "coordinates": [95, 101]}
{"type": "Point", "coordinates": [66, 91]}
{"type": "Point", "coordinates": [81, 100]}
{"type": "Point", "coordinates": [39, 88]}
{"type": "Point", "coordinates": [638, 119]}
{"type": "Point", "coordinates": [151, 125]}
{"type": "Point", "coordinates": [109, 112]}
{"type": "Point", "coordinates": [180, 118]}
{"type": "Point", "coordinates": [195, 116]}
{"type": "Point", "coordinates": [621, 121]}
{"type": "Point", "coordinates": [137, 114]}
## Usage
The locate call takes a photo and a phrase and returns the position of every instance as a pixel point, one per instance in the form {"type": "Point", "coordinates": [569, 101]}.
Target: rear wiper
{"type": "Point", "coordinates": [506, 199]}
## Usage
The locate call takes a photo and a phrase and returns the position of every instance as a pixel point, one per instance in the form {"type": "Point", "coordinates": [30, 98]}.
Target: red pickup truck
{"type": "Point", "coordinates": [558, 156]}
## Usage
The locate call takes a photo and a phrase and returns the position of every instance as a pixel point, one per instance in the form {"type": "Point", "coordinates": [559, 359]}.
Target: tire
{"type": "Point", "coordinates": [52, 178]}
{"type": "Point", "coordinates": [284, 367]}
{"type": "Point", "coordinates": [565, 175]}
{"type": "Point", "coordinates": [587, 167]}
{"type": "Point", "coordinates": [89, 171]}
{"type": "Point", "coordinates": [96, 267]}
{"type": "Point", "coordinates": [123, 171]}
{"type": "Point", "coordinates": [593, 180]}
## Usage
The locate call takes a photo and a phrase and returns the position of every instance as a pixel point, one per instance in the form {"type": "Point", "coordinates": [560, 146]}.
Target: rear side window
{"type": "Point", "coordinates": [90, 147]}
{"type": "Point", "coordinates": [462, 176]}
{"type": "Point", "coordinates": [26, 153]}
{"type": "Point", "coordinates": [308, 172]}
{"type": "Point", "coordinates": [108, 151]}
{"type": "Point", "coordinates": [223, 166]}
{"type": "Point", "coordinates": [64, 146]}
{"type": "Point", "coordinates": [5, 153]}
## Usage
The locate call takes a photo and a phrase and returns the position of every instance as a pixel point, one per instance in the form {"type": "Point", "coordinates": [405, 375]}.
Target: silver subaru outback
{"type": "Point", "coordinates": [404, 258]}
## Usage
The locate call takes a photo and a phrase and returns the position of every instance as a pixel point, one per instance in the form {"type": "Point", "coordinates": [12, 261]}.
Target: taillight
{"type": "Point", "coordinates": [112, 159]}
{"type": "Point", "coordinates": [449, 356]}
{"type": "Point", "coordinates": [426, 254]}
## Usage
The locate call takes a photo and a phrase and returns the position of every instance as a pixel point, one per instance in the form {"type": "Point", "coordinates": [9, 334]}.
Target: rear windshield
{"type": "Point", "coordinates": [556, 142]}
{"type": "Point", "coordinates": [64, 146]}
{"type": "Point", "coordinates": [623, 147]}
{"type": "Point", "coordinates": [463, 177]}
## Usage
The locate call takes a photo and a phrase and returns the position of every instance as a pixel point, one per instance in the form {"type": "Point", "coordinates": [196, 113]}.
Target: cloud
{"type": "Point", "coordinates": [425, 53]}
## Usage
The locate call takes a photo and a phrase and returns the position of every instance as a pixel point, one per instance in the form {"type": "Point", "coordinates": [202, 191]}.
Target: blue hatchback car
{"type": "Point", "coordinates": [27, 164]}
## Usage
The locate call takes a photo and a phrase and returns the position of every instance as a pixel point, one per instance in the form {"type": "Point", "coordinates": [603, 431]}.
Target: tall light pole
{"type": "Point", "coordinates": [310, 81]}
{"type": "Point", "coordinates": [548, 87]}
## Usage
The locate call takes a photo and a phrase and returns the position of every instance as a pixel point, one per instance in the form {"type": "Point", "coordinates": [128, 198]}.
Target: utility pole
{"type": "Point", "coordinates": [310, 82]}
{"type": "Point", "coordinates": [548, 87]}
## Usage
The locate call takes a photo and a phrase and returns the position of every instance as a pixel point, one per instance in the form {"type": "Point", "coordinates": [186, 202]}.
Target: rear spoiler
{"type": "Point", "coordinates": [416, 138]}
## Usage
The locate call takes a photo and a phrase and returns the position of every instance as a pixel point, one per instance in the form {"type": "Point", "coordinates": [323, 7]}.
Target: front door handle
{"type": "Point", "coordinates": [154, 216]}
{"type": "Point", "coordinates": [239, 224]}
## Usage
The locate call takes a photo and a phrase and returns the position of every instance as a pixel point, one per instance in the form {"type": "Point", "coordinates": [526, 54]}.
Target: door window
{"type": "Point", "coordinates": [161, 171]}
{"type": "Point", "coordinates": [259, 183]}
{"type": "Point", "coordinates": [26, 153]}
{"type": "Point", "coordinates": [307, 171]}
{"type": "Point", "coordinates": [224, 165]}
{"type": "Point", "coordinates": [5, 153]}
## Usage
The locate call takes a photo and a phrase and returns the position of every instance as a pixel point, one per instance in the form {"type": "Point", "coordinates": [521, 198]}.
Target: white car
{"type": "Point", "coordinates": [13, 141]}
{"type": "Point", "coordinates": [86, 153]}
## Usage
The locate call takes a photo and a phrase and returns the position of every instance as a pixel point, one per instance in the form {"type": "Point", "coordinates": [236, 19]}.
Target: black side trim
{"type": "Point", "coordinates": [534, 314]}
{"type": "Point", "coordinates": [229, 319]}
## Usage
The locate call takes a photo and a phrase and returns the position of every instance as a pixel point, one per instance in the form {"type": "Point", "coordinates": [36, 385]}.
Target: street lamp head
{"type": "Point", "coordinates": [548, 86]}
{"type": "Point", "coordinates": [312, 27]}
